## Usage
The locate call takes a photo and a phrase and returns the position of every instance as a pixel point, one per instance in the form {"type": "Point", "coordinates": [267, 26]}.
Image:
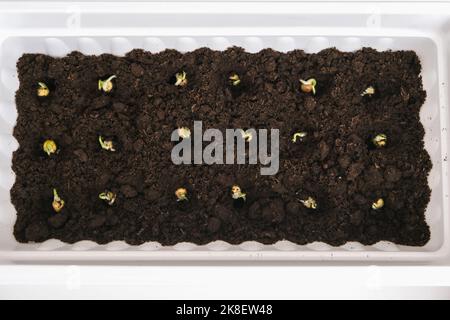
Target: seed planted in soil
{"type": "Point", "coordinates": [309, 203]}
{"type": "Point", "coordinates": [181, 194]}
{"type": "Point", "coordinates": [236, 193]}
{"type": "Point", "coordinates": [308, 86]}
{"type": "Point", "coordinates": [234, 79]}
{"type": "Point", "coordinates": [108, 196]}
{"type": "Point", "coordinates": [43, 90]}
{"type": "Point", "coordinates": [378, 204]}
{"type": "Point", "coordinates": [379, 140]}
{"type": "Point", "coordinates": [184, 133]}
{"type": "Point", "coordinates": [368, 92]}
{"type": "Point", "coordinates": [58, 203]}
{"type": "Point", "coordinates": [299, 136]}
{"type": "Point", "coordinates": [181, 79]}
{"type": "Point", "coordinates": [106, 85]}
{"type": "Point", "coordinates": [49, 147]}
{"type": "Point", "coordinates": [106, 144]}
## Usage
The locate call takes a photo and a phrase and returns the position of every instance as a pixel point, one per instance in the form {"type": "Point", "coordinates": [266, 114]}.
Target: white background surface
{"type": "Point", "coordinates": [227, 282]}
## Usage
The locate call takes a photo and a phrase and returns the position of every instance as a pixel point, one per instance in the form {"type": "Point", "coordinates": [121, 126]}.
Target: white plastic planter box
{"type": "Point", "coordinates": [94, 28]}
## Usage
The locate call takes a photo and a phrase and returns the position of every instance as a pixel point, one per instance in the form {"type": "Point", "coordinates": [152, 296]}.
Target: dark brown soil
{"type": "Point", "coordinates": [335, 164]}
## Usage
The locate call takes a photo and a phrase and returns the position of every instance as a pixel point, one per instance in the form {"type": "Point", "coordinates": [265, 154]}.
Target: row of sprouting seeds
{"type": "Point", "coordinates": [50, 147]}
{"type": "Point", "coordinates": [181, 79]}
{"type": "Point", "coordinates": [236, 193]}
